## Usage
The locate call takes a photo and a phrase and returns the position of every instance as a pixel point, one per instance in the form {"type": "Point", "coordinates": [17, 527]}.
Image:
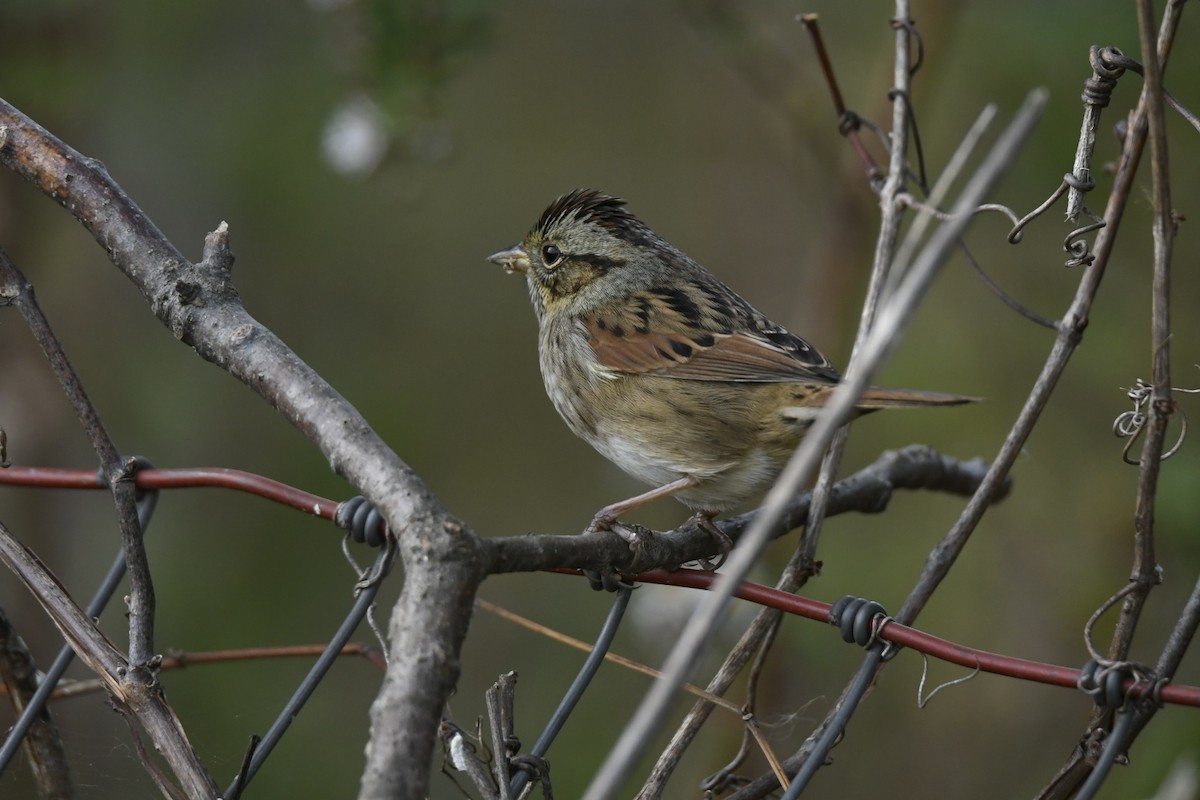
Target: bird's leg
{"type": "Point", "coordinates": [704, 521]}
{"type": "Point", "coordinates": [606, 518]}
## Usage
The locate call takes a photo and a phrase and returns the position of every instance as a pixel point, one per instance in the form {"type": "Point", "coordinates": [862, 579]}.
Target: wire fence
{"type": "Point", "coordinates": [444, 563]}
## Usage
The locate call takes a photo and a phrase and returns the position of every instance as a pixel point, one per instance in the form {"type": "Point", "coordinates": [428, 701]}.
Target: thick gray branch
{"type": "Point", "coordinates": [916, 467]}
{"type": "Point", "coordinates": [198, 303]}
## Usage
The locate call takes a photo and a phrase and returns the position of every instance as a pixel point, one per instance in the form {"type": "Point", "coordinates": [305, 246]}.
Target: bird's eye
{"type": "Point", "coordinates": [551, 255]}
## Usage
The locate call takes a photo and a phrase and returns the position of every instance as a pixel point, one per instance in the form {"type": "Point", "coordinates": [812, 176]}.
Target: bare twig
{"type": "Point", "coordinates": [1070, 333]}
{"type": "Point", "coordinates": [1145, 573]}
{"type": "Point", "coordinates": [117, 471]}
{"type": "Point", "coordinates": [198, 303]}
{"type": "Point", "coordinates": [462, 756]}
{"type": "Point", "coordinates": [1145, 568]}
{"type": "Point", "coordinates": [891, 217]}
{"type": "Point", "coordinates": [501, 699]}
{"type": "Point", "coordinates": [180, 659]}
{"type": "Point", "coordinates": [1096, 94]}
{"type": "Point", "coordinates": [586, 647]}
{"type": "Point", "coordinates": [42, 745]}
{"type": "Point", "coordinates": [95, 649]}
{"type": "Point", "coordinates": [891, 259]}
{"type": "Point", "coordinates": [848, 122]}
{"type": "Point", "coordinates": [882, 274]}
{"type": "Point", "coordinates": [1075, 770]}
{"type": "Point", "coordinates": [1181, 635]}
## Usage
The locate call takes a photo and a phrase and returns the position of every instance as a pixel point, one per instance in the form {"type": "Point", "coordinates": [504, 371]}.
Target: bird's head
{"type": "Point", "coordinates": [577, 253]}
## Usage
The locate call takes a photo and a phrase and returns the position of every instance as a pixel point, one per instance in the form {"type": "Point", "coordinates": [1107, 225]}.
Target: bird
{"type": "Point", "coordinates": [663, 369]}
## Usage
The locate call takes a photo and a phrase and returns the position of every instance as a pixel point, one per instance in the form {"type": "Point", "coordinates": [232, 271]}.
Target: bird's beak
{"type": "Point", "coordinates": [514, 259]}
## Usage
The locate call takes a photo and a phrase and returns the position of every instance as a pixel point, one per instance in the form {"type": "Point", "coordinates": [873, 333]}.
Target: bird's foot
{"type": "Point", "coordinates": [704, 521]}
{"type": "Point", "coordinates": [636, 536]}
{"type": "Point", "coordinates": [607, 579]}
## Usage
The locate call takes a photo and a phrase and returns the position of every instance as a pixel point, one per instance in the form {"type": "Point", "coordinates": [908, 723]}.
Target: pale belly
{"type": "Point", "coordinates": [721, 487]}
{"type": "Point", "coordinates": [659, 429]}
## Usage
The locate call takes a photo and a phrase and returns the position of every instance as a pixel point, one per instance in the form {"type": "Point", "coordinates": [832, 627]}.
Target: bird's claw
{"type": "Point", "coordinates": [607, 579]}
{"type": "Point", "coordinates": [705, 523]}
{"type": "Point", "coordinates": [637, 536]}
{"type": "Point", "coordinates": [601, 522]}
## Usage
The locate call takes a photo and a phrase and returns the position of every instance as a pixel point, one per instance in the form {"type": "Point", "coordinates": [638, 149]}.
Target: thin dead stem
{"type": "Point", "coordinates": [1145, 568]}
{"type": "Point", "coordinates": [117, 471]}
{"type": "Point", "coordinates": [1077, 767]}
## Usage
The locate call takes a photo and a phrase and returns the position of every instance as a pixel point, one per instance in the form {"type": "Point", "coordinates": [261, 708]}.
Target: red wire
{"type": "Point", "coordinates": [242, 481]}
{"type": "Point", "coordinates": [197, 477]}
{"type": "Point", "coordinates": [968, 657]}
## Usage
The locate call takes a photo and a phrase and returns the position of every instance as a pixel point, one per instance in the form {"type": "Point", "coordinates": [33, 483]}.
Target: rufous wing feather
{"type": "Point", "coordinates": [651, 337]}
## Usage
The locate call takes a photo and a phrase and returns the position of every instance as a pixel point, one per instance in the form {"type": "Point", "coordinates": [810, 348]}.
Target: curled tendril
{"type": "Point", "coordinates": [924, 699]}
{"type": "Point", "coordinates": [1129, 424]}
{"type": "Point", "coordinates": [1018, 230]}
{"type": "Point", "coordinates": [1079, 248]}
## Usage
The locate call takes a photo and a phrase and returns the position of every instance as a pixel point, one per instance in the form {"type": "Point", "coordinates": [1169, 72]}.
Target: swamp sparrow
{"type": "Point", "coordinates": [665, 370]}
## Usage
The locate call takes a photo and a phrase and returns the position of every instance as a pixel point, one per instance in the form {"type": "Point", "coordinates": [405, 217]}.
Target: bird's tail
{"type": "Point", "coordinates": [874, 398]}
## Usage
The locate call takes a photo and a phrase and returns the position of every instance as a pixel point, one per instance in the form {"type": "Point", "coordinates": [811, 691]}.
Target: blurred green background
{"type": "Point", "coordinates": [468, 118]}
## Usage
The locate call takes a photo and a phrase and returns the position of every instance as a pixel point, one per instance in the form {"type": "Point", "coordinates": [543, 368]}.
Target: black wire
{"type": "Point", "coordinates": [816, 758]}
{"type": "Point", "coordinates": [145, 510]}
{"type": "Point", "coordinates": [1114, 745]}
{"type": "Point", "coordinates": [309, 685]}
{"type": "Point", "coordinates": [1004, 296]}
{"type": "Point", "coordinates": [580, 684]}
